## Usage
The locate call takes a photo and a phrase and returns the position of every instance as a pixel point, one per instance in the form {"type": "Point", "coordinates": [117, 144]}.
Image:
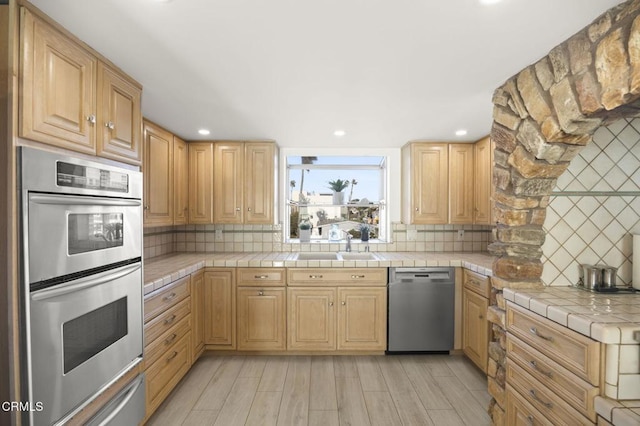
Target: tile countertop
{"type": "Point", "coordinates": [163, 270]}
{"type": "Point", "coordinates": [613, 319]}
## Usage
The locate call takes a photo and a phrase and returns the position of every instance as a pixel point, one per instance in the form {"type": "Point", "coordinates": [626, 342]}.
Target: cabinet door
{"type": "Point", "coordinates": [58, 99]}
{"type": "Point", "coordinates": [180, 181]}
{"type": "Point", "coordinates": [259, 182]}
{"type": "Point", "coordinates": [158, 176]}
{"type": "Point", "coordinates": [482, 181]}
{"type": "Point", "coordinates": [197, 314]}
{"type": "Point", "coordinates": [200, 182]}
{"type": "Point", "coordinates": [228, 182]}
{"type": "Point", "coordinates": [461, 183]}
{"type": "Point", "coordinates": [220, 308]}
{"type": "Point", "coordinates": [311, 319]}
{"type": "Point", "coordinates": [475, 328]}
{"type": "Point", "coordinates": [429, 198]}
{"type": "Point", "coordinates": [119, 117]}
{"type": "Point", "coordinates": [362, 319]}
{"type": "Point", "coordinates": [261, 318]}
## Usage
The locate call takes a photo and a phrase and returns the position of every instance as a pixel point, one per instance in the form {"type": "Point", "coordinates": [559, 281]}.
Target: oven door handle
{"type": "Point", "coordinates": [66, 200]}
{"type": "Point", "coordinates": [84, 283]}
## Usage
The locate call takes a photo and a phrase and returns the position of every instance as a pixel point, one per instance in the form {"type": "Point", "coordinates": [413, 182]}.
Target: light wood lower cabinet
{"type": "Point", "coordinates": [337, 309]}
{"type": "Point", "coordinates": [197, 314]}
{"type": "Point", "coordinates": [261, 318]}
{"type": "Point", "coordinates": [219, 294]}
{"type": "Point", "coordinates": [550, 368]}
{"type": "Point", "coordinates": [475, 326]}
{"type": "Point", "coordinates": [167, 346]}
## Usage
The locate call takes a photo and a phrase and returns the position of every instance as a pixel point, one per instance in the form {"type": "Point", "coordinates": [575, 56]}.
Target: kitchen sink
{"type": "Point", "coordinates": [357, 256]}
{"type": "Point", "coordinates": [317, 256]}
{"type": "Point", "coordinates": [335, 256]}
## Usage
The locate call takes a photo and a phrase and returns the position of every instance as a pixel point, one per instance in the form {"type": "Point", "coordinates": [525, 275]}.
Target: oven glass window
{"type": "Point", "coordinates": [91, 333]}
{"type": "Point", "coordinates": [90, 232]}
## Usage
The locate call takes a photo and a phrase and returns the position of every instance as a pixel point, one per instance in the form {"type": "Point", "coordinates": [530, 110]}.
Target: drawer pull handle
{"type": "Point", "coordinates": [170, 319]}
{"type": "Point", "coordinates": [534, 365]}
{"type": "Point", "coordinates": [535, 396]}
{"type": "Point", "coordinates": [172, 356]}
{"type": "Point", "coordinates": [169, 297]}
{"type": "Point", "coordinates": [530, 420]}
{"type": "Point", "coordinates": [261, 277]}
{"type": "Point", "coordinates": [170, 339]}
{"type": "Point", "coordinates": [355, 277]}
{"type": "Point", "coordinates": [315, 277]}
{"type": "Point", "coordinates": [534, 330]}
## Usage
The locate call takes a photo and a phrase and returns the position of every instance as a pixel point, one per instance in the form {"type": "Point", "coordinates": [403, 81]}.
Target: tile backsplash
{"type": "Point", "coordinates": [595, 207]}
{"type": "Point", "coordinates": [268, 238]}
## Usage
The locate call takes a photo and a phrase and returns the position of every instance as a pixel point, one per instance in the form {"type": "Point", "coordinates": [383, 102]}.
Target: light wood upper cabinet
{"type": "Point", "coordinates": [219, 293]}
{"type": "Point", "coordinates": [200, 182]}
{"type": "Point", "coordinates": [483, 182]}
{"type": "Point", "coordinates": [425, 183]}
{"type": "Point", "coordinates": [59, 80]}
{"type": "Point", "coordinates": [72, 99]}
{"type": "Point", "coordinates": [228, 182]}
{"type": "Point", "coordinates": [119, 116]}
{"type": "Point", "coordinates": [461, 183]}
{"type": "Point", "coordinates": [244, 182]}
{"type": "Point", "coordinates": [180, 181]}
{"type": "Point", "coordinates": [158, 175]}
{"type": "Point", "coordinates": [259, 189]}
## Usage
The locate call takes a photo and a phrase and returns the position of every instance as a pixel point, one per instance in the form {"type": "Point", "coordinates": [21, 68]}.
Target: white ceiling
{"type": "Point", "coordinates": [385, 71]}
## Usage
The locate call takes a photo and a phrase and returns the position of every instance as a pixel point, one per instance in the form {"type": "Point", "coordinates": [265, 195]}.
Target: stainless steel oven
{"type": "Point", "coordinates": [82, 247]}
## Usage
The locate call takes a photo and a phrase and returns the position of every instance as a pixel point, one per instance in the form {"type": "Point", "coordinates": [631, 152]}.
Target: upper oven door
{"type": "Point", "coordinates": [70, 233]}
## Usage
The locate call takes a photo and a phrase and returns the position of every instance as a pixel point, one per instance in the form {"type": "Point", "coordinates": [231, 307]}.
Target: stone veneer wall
{"type": "Point", "coordinates": [255, 238]}
{"type": "Point", "coordinates": [543, 117]}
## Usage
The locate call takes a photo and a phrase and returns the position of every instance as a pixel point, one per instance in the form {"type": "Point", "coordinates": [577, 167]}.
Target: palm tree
{"type": "Point", "coordinates": [353, 183]}
{"type": "Point", "coordinates": [305, 160]}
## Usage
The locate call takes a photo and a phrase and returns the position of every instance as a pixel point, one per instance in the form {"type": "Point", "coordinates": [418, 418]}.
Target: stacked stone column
{"type": "Point", "coordinates": [543, 117]}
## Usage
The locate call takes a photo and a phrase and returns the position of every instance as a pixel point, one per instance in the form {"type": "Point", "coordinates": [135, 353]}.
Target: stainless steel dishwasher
{"type": "Point", "coordinates": [421, 309]}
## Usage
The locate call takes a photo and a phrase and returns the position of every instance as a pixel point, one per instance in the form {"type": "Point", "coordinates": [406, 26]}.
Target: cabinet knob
{"type": "Point", "coordinates": [237, 209]}
{"type": "Point", "coordinates": [91, 119]}
{"type": "Point", "coordinates": [417, 209]}
{"type": "Point", "coordinates": [344, 303]}
{"type": "Point", "coordinates": [109, 125]}
{"type": "Point", "coordinates": [248, 209]}
{"type": "Point", "coordinates": [330, 303]}
{"type": "Point", "coordinates": [146, 207]}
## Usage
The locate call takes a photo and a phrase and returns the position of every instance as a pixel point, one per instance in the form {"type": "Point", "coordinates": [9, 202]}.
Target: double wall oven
{"type": "Point", "coordinates": [82, 293]}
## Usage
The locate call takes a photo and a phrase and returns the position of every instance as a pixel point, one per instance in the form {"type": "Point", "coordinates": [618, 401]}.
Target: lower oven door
{"type": "Point", "coordinates": [83, 333]}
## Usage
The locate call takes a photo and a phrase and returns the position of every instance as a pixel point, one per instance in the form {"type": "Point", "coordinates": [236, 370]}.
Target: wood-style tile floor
{"type": "Point", "coordinates": [328, 390]}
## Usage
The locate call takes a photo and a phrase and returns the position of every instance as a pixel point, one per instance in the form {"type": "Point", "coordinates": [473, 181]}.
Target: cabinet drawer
{"type": "Point", "coordinates": [575, 352]}
{"type": "Point", "coordinates": [340, 276]}
{"type": "Point", "coordinates": [261, 277]}
{"type": "Point", "coordinates": [477, 283]}
{"type": "Point", "coordinates": [160, 324]}
{"type": "Point", "coordinates": [157, 347]}
{"type": "Point", "coordinates": [520, 413]}
{"type": "Point", "coordinates": [578, 393]}
{"type": "Point", "coordinates": [164, 374]}
{"type": "Point", "coordinates": [158, 302]}
{"type": "Point", "coordinates": [550, 405]}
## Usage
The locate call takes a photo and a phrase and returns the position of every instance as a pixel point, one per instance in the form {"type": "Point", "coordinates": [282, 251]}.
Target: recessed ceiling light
{"type": "Point", "coordinates": [339, 133]}
{"type": "Point", "coordinates": [204, 132]}
{"type": "Point", "coordinates": [461, 132]}
{"type": "Point", "coordinates": [490, 1]}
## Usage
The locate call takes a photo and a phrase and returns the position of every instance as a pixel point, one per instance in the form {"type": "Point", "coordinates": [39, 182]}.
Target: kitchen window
{"type": "Point", "coordinates": [335, 193]}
